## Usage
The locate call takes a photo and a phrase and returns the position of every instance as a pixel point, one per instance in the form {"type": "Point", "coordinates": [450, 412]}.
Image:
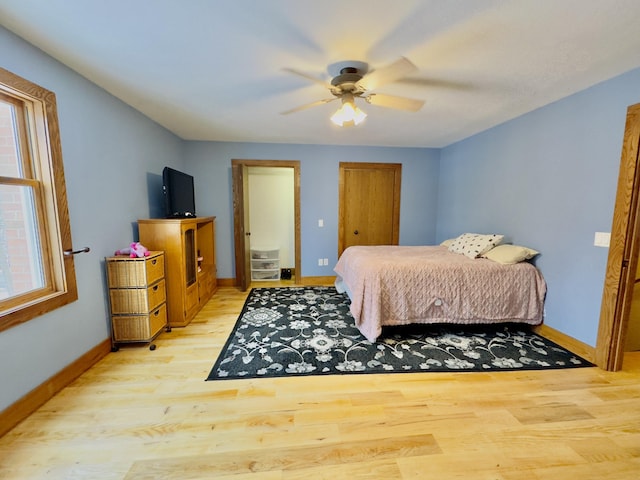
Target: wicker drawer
{"type": "Point", "coordinates": [137, 300]}
{"type": "Point", "coordinates": [139, 328]}
{"type": "Point", "coordinates": [135, 272]}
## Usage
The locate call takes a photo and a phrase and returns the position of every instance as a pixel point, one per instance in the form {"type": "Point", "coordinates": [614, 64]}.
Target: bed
{"type": "Point", "coordinates": [400, 285]}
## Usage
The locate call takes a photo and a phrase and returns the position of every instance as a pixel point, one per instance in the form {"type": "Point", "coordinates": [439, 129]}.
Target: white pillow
{"type": "Point", "coordinates": [510, 254]}
{"type": "Point", "coordinates": [473, 245]}
{"type": "Point", "coordinates": [447, 243]}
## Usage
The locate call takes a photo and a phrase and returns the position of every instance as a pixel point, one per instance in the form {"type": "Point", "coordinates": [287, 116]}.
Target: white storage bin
{"type": "Point", "coordinates": [265, 275]}
{"type": "Point", "coordinates": [260, 254]}
{"type": "Point", "coordinates": [265, 264]}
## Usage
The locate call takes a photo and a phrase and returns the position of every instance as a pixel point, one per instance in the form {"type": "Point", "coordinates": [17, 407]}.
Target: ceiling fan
{"type": "Point", "coordinates": [355, 81]}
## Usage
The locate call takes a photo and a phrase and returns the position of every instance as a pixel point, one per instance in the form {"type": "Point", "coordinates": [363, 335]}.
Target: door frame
{"type": "Point", "coordinates": [239, 212]}
{"type": "Point", "coordinates": [397, 169]}
{"type": "Point", "coordinates": [623, 251]}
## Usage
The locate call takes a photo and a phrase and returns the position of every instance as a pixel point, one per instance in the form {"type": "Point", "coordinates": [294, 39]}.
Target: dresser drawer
{"type": "Point", "coordinates": [137, 300]}
{"type": "Point", "coordinates": [139, 328]}
{"type": "Point", "coordinates": [135, 272]}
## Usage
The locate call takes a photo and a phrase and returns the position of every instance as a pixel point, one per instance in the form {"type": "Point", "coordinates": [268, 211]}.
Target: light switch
{"type": "Point", "coordinates": [321, 223]}
{"type": "Point", "coordinates": [602, 239]}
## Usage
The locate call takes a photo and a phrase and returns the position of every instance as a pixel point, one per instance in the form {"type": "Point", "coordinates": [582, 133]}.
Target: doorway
{"type": "Point", "coordinates": [622, 261]}
{"type": "Point", "coordinates": [242, 216]}
{"type": "Point", "coordinates": [369, 204]}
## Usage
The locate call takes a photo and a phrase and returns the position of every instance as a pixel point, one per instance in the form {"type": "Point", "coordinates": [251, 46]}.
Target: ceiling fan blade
{"type": "Point", "coordinates": [308, 105]}
{"type": "Point", "coordinates": [436, 83]}
{"type": "Point", "coordinates": [308, 77]}
{"type": "Point", "coordinates": [398, 69]}
{"type": "Point", "coordinates": [391, 101]}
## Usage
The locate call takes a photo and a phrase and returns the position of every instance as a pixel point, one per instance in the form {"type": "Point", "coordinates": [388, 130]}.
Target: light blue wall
{"type": "Point", "coordinates": [210, 163]}
{"type": "Point", "coordinates": [112, 154]}
{"type": "Point", "coordinates": [548, 181]}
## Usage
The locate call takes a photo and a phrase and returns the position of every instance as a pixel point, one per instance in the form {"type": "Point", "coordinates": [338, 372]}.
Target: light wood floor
{"type": "Point", "coordinates": [141, 414]}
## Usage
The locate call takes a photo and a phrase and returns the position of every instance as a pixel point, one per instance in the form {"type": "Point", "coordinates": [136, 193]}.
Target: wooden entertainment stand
{"type": "Point", "coordinates": [190, 262]}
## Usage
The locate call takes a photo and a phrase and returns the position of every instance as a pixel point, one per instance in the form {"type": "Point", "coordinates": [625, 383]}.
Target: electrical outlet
{"type": "Point", "coordinates": [319, 262]}
{"type": "Point", "coordinates": [321, 223]}
{"type": "Point", "coordinates": [325, 261]}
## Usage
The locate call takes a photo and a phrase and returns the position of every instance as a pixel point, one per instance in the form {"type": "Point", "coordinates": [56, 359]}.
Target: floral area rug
{"type": "Point", "coordinates": [288, 331]}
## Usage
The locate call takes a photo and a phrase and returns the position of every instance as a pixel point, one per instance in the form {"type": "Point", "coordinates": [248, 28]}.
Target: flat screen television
{"type": "Point", "coordinates": [179, 194]}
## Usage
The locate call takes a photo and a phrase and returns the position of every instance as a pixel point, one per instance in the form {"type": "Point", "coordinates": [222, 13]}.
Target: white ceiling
{"type": "Point", "coordinates": [213, 69]}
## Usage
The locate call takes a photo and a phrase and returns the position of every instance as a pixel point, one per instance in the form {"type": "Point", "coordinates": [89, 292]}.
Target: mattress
{"type": "Point", "coordinates": [400, 285]}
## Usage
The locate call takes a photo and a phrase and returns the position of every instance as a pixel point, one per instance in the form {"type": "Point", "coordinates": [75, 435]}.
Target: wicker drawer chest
{"type": "Point", "coordinates": [137, 298]}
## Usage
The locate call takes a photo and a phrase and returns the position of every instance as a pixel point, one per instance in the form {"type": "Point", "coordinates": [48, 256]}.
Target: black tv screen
{"type": "Point", "coordinates": [179, 194]}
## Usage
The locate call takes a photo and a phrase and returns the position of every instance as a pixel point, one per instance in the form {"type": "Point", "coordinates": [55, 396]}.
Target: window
{"type": "Point", "coordinates": [35, 274]}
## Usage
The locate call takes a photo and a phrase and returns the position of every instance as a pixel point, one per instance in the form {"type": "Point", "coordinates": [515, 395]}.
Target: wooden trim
{"type": "Point", "coordinates": [17, 412]}
{"type": "Point", "coordinates": [239, 225]}
{"type": "Point", "coordinates": [297, 267]}
{"type": "Point", "coordinates": [623, 252]}
{"type": "Point", "coordinates": [318, 280]}
{"type": "Point", "coordinates": [266, 163]}
{"type": "Point", "coordinates": [239, 209]}
{"type": "Point", "coordinates": [576, 346]}
{"type": "Point", "coordinates": [227, 282]}
{"type": "Point", "coordinates": [54, 228]}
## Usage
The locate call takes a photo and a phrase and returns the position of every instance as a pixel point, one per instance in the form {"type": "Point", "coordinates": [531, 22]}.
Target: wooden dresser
{"type": "Point", "coordinates": [137, 297]}
{"type": "Point", "coordinates": [189, 246]}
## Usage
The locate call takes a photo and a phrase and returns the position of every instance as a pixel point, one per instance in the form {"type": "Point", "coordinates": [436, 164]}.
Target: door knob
{"type": "Point", "coordinates": [355, 232]}
{"type": "Point", "coordinates": [248, 234]}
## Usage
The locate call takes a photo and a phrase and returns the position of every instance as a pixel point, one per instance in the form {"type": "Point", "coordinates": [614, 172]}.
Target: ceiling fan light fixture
{"type": "Point", "coordinates": [353, 79]}
{"type": "Point", "coordinates": [348, 114]}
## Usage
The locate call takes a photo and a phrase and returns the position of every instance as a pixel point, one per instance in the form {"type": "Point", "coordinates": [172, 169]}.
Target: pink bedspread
{"type": "Point", "coordinates": [391, 285]}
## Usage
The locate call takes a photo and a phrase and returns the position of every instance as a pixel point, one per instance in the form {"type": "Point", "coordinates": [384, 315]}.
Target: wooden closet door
{"type": "Point", "coordinates": [369, 204]}
{"type": "Point", "coordinates": [624, 250]}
